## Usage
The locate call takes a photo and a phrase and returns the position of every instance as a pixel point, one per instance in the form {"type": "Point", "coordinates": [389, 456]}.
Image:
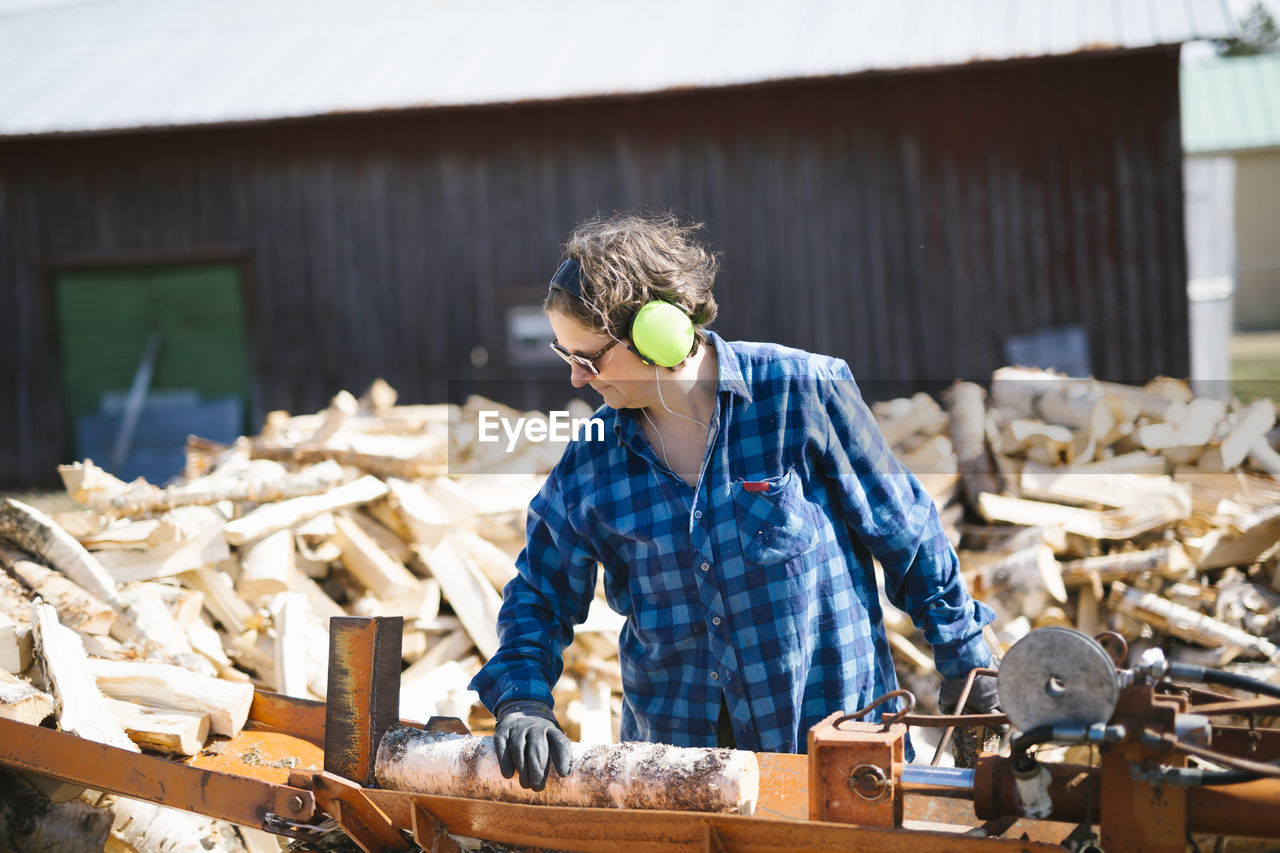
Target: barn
{"type": "Point", "coordinates": [243, 207]}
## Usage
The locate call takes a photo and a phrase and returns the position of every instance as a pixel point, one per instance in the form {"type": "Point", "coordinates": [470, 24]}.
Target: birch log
{"type": "Point", "coordinates": [29, 822]}
{"type": "Point", "coordinates": [965, 402]}
{"type": "Point", "coordinates": [1053, 398]}
{"type": "Point", "coordinates": [76, 608]}
{"type": "Point", "coordinates": [622, 776]}
{"type": "Point", "coordinates": [279, 516]}
{"type": "Point", "coordinates": [1185, 623]}
{"type": "Point", "coordinates": [33, 531]}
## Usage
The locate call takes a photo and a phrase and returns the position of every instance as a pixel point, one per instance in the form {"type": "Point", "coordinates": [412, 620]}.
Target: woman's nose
{"type": "Point", "coordinates": [579, 376]}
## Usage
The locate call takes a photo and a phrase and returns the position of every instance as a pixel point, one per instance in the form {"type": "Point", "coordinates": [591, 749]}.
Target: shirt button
{"type": "Point", "coordinates": [715, 676]}
{"type": "Point", "coordinates": [715, 620]}
{"type": "Point", "coordinates": [697, 513]}
{"type": "Point", "coordinates": [705, 566]}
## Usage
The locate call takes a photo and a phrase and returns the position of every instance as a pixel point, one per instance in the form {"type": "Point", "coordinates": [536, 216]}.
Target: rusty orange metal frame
{"type": "Point", "coordinates": [238, 799]}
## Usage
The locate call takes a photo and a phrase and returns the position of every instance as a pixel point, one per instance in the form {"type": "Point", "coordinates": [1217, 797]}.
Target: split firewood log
{"type": "Point", "coordinates": [166, 686]}
{"type": "Point", "coordinates": [76, 608]}
{"type": "Point", "coordinates": [1235, 434]}
{"type": "Point", "coordinates": [470, 593]}
{"type": "Point", "coordinates": [378, 571]}
{"type": "Point", "coordinates": [627, 775]}
{"type": "Point", "coordinates": [1195, 430]}
{"type": "Point", "coordinates": [161, 730]}
{"type": "Point", "coordinates": [81, 708]}
{"type": "Point", "coordinates": [34, 532]}
{"type": "Point", "coordinates": [22, 702]}
{"type": "Point", "coordinates": [1114, 524]}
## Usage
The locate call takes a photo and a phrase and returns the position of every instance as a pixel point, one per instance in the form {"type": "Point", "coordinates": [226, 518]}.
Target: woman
{"type": "Point", "coordinates": [735, 504]}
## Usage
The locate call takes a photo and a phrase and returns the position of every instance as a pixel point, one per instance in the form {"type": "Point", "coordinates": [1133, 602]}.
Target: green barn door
{"type": "Point", "coordinates": [199, 380]}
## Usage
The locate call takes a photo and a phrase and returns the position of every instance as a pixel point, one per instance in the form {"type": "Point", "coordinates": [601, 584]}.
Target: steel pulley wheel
{"type": "Point", "coordinates": [1057, 677]}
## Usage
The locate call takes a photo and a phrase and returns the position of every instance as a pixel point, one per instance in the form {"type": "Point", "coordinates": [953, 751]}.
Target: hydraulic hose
{"type": "Point", "coordinates": [1204, 675]}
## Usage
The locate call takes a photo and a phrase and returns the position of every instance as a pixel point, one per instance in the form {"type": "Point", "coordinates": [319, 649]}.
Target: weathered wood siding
{"type": "Point", "coordinates": [908, 223]}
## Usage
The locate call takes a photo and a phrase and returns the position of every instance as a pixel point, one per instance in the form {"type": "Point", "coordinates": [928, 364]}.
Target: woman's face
{"type": "Point", "coordinates": [624, 381]}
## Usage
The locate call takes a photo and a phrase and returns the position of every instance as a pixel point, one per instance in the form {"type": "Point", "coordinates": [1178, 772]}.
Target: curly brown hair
{"type": "Point", "coordinates": [629, 259]}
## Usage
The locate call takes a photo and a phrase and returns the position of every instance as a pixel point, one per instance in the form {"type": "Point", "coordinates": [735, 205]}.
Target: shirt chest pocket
{"type": "Point", "coordinates": [775, 521]}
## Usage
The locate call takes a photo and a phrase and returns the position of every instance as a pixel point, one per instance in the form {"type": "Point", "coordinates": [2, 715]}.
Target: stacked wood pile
{"type": "Point", "coordinates": [1099, 506]}
{"type": "Point", "coordinates": [146, 619]}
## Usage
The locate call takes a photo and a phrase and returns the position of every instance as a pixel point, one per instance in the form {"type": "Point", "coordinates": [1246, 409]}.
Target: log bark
{"type": "Point", "coordinates": [141, 827]}
{"type": "Point", "coordinates": [1053, 398]}
{"type": "Point", "coordinates": [30, 823]}
{"type": "Point", "coordinates": [22, 702]}
{"type": "Point", "coordinates": [1021, 583]}
{"type": "Point", "coordinates": [279, 516]}
{"type": "Point", "coordinates": [34, 532]}
{"type": "Point", "coordinates": [1169, 561]}
{"type": "Point", "coordinates": [313, 480]}
{"type": "Point", "coordinates": [77, 609]}
{"type": "Point", "coordinates": [166, 686]}
{"type": "Point", "coordinates": [965, 402]}
{"type": "Point", "coordinates": [628, 775]}
{"type": "Point", "coordinates": [1185, 623]}
{"type": "Point", "coordinates": [82, 710]}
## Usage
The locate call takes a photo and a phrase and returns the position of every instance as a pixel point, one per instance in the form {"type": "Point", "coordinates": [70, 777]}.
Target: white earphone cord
{"type": "Point", "coordinates": [662, 445]}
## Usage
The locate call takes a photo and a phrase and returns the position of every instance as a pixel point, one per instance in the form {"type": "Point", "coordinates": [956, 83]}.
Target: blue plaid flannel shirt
{"type": "Point", "coordinates": [758, 585]}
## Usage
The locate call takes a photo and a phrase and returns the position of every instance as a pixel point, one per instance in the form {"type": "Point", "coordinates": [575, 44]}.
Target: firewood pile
{"type": "Point", "coordinates": [1104, 507]}
{"type": "Point", "coordinates": [147, 618]}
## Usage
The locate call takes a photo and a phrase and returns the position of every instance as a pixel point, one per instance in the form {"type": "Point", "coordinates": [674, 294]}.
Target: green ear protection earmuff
{"type": "Point", "coordinates": [661, 333]}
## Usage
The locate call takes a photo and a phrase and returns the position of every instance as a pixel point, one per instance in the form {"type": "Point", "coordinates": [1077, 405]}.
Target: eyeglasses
{"type": "Point", "coordinates": [586, 362]}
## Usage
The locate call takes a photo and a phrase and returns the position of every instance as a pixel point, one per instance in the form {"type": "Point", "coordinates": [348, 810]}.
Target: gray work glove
{"type": "Point", "coordinates": [528, 739]}
{"type": "Point", "coordinates": [984, 698]}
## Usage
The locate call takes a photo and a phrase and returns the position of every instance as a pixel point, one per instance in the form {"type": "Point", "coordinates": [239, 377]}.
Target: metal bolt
{"type": "Point", "coordinates": [869, 782]}
{"type": "Point", "coordinates": [295, 803]}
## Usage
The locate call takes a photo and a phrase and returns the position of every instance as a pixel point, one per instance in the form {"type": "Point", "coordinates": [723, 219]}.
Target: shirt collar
{"type": "Point", "coordinates": [730, 368]}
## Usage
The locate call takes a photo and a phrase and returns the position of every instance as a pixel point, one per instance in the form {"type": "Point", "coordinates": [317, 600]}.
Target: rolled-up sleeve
{"type": "Point", "coordinates": [550, 594]}
{"type": "Point", "coordinates": [893, 516]}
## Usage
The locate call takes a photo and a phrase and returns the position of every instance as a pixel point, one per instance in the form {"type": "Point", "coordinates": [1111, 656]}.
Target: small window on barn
{"type": "Point", "coordinates": [529, 335]}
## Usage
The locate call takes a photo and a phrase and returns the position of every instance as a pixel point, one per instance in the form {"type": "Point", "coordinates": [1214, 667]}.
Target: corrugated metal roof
{"type": "Point", "coordinates": [102, 65]}
{"type": "Point", "coordinates": [1231, 104]}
